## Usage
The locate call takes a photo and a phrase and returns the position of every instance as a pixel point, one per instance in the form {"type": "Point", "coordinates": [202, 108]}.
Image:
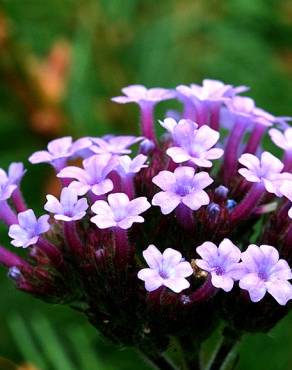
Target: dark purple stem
{"type": "Point", "coordinates": [189, 110]}
{"type": "Point", "coordinates": [128, 185]}
{"type": "Point", "coordinates": [248, 203]}
{"type": "Point", "coordinates": [18, 201]}
{"type": "Point", "coordinates": [204, 293]}
{"type": "Point", "coordinates": [201, 114]}
{"type": "Point", "coordinates": [147, 121]}
{"type": "Point", "coordinates": [122, 245]}
{"type": "Point", "coordinates": [215, 116]}
{"type": "Point", "coordinates": [10, 259]}
{"type": "Point", "coordinates": [287, 160]}
{"type": "Point", "coordinates": [255, 139]}
{"type": "Point", "coordinates": [72, 238]}
{"type": "Point", "coordinates": [50, 250]}
{"type": "Point", "coordinates": [6, 214]}
{"type": "Point", "coordinates": [185, 216]}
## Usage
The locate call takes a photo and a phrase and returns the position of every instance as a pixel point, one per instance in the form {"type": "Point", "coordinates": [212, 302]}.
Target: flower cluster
{"type": "Point", "coordinates": [206, 205]}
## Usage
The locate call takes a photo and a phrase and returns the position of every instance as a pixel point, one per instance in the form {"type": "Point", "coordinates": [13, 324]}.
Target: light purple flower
{"type": "Point", "coordinates": [286, 190]}
{"type": "Point", "coordinates": [192, 143]}
{"type": "Point", "coordinates": [114, 144]}
{"type": "Point", "coordinates": [168, 269]}
{"type": "Point", "coordinates": [69, 208]}
{"type": "Point", "coordinates": [221, 262]}
{"type": "Point", "coordinates": [282, 139]}
{"type": "Point", "coordinates": [119, 211]}
{"type": "Point", "coordinates": [59, 150]}
{"type": "Point", "coordinates": [266, 170]}
{"type": "Point", "coordinates": [181, 186]}
{"type": "Point", "coordinates": [9, 181]}
{"type": "Point", "coordinates": [241, 106]}
{"type": "Point", "coordinates": [93, 176]}
{"type": "Point", "coordinates": [265, 272]}
{"type": "Point", "coordinates": [127, 165]}
{"type": "Point", "coordinates": [140, 94]}
{"type": "Point", "coordinates": [28, 229]}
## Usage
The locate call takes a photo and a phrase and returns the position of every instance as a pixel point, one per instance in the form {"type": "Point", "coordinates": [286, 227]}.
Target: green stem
{"type": "Point", "coordinates": [158, 361]}
{"type": "Point", "coordinates": [190, 353]}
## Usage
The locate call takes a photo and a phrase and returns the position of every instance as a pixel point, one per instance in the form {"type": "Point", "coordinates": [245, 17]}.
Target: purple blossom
{"type": "Point", "coordinates": [127, 165]}
{"type": "Point", "coordinates": [241, 107]}
{"type": "Point", "coordinates": [10, 181]}
{"type": "Point", "coordinates": [266, 170]}
{"type": "Point", "coordinates": [140, 94]}
{"type": "Point", "coordinates": [59, 150]}
{"type": "Point", "coordinates": [282, 139]}
{"type": "Point", "coordinates": [265, 272]}
{"type": "Point", "coordinates": [69, 208]}
{"type": "Point", "coordinates": [114, 144]}
{"type": "Point", "coordinates": [165, 269]}
{"type": "Point", "coordinates": [181, 186]}
{"type": "Point", "coordinates": [93, 176]}
{"type": "Point", "coordinates": [286, 190]}
{"type": "Point", "coordinates": [192, 143]}
{"type": "Point", "coordinates": [221, 262]}
{"type": "Point", "coordinates": [28, 229]}
{"type": "Point", "coordinates": [119, 211]}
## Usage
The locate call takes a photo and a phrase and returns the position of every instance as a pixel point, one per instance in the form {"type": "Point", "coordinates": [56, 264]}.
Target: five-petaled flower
{"type": "Point", "coordinates": [10, 180]}
{"type": "Point", "coordinates": [140, 94]}
{"type": "Point", "coordinates": [28, 229]}
{"type": "Point", "coordinates": [119, 211]}
{"type": "Point", "coordinates": [181, 186]}
{"type": "Point", "coordinates": [69, 207]}
{"type": "Point", "coordinates": [165, 269]}
{"type": "Point", "coordinates": [265, 272]}
{"type": "Point", "coordinates": [114, 144]}
{"type": "Point", "coordinates": [221, 262]}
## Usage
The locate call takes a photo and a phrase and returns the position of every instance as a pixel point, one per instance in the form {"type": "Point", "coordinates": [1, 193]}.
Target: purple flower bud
{"type": "Point", "coordinates": [119, 211]}
{"type": "Point", "coordinates": [213, 210]}
{"type": "Point", "coordinates": [165, 269]}
{"type": "Point", "coordinates": [29, 229]}
{"type": "Point", "coordinates": [265, 272]}
{"type": "Point", "coordinates": [69, 208]}
{"type": "Point", "coordinates": [14, 273]}
{"type": "Point", "coordinates": [181, 186]}
{"type": "Point", "coordinates": [146, 147]}
{"type": "Point", "coordinates": [221, 193]}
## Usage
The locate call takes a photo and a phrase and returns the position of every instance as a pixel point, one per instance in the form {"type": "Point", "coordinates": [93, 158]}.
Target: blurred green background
{"type": "Point", "coordinates": [60, 62]}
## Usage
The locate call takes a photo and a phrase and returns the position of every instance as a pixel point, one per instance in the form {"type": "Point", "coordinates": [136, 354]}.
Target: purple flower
{"type": "Point", "coordinates": [93, 176]}
{"type": "Point", "coordinates": [282, 139]}
{"type": "Point", "coordinates": [59, 150]}
{"type": "Point", "coordinates": [265, 272]}
{"type": "Point", "coordinates": [266, 170]}
{"type": "Point", "coordinates": [192, 143]}
{"type": "Point", "coordinates": [9, 181]}
{"type": "Point", "coordinates": [29, 229]}
{"type": "Point", "coordinates": [140, 94]}
{"type": "Point", "coordinates": [69, 208]}
{"type": "Point", "coordinates": [114, 144]}
{"type": "Point", "coordinates": [221, 262]}
{"type": "Point", "coordinates": [168, 269]}
{"type": "Point", "coordinates": [119, 211]}
{"type": "Point", "coordinates": [241, 106]}
{"type": "Point", "coordinates": [286, 190]}
{"type": "Point", "coordinates": [181, 186]}
{"type": "Point", "coordinates": [127, 165]}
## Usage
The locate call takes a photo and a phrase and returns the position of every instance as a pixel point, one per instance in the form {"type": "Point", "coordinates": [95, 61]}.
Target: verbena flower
{"type": "Point", "coordinates": [69, 207]}
{"type": "Point", "coordinates": [119, 211]}
{"type": "Point", "coordinates": [165, 269]}
{"type": "Point", "coordinates": [266, 273]}
{"type": "Point", "coordinates": [181, 186]}
{"type": "Point", "coordinates": [28, 229]}
{"type": "Point", "coordinates": [114, 144]}
{"type": "Point", "coordinates": [140, 94]}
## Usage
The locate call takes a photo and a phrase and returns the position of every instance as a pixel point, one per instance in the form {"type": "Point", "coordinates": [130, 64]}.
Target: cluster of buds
{"type": "Point", "coordinates": [192, 230]}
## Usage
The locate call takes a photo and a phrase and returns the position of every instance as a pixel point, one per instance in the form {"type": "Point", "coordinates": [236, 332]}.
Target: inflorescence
{"type": "Point", "coordinates": [192, 229]}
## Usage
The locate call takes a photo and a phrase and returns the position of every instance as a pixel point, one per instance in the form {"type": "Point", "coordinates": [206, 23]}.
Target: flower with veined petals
{"type": "Point", "coordinates": [59, 150]}
{"type": "Point", "coordinates": [119, 211]}
{"type": "Point", "coordinates": [114, 144]}
{"type": "Point", "coordinates": [282, 139]}
{"type": "Point", "coordinates": [69, 207]}
{"type": "Point", "coordinates": [140, 94]}
{"type": "Point", "coordinates": [286, 190]}
{"type": "Point", "coordinates": [181, 186]}
{"type": "Point", "coordinates": [266, 273]}
{"type": "Point", "coordinates": [165, 269]}
{"type": "Point", "coordinates": [28, 229]}
{"type": "Point", "coordinates": [221, 262]}
{"type": "Point", "coordinates": [93, 175]}
{"type": "Point", "coordinates": [192, 143]}
{"type": "Point", "coordinates": [266, 170]}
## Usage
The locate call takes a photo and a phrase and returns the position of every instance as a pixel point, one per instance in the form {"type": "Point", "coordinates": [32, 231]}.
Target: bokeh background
{"type": "Point", "coordinates": [60, 62]}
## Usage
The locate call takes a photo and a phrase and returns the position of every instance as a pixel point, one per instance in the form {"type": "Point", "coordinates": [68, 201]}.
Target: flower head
{"type": "Point", "coordinates": [29, 229]}
{"type": "Point", "coordinates": [114, 144]}
{"type": "Point", "coordinates": [93, 175]}
{"type": "Point", "coordinates": [181, 186]}
{"type": "Point", "coordinates": [265, 272]}
{"type": "Point", "coordinates": [266, 170]}
{"type": "Point", "coordinates": [241, 106]}
{"type": "Point", "coordinates": [59, 150]}
{"type": "Point", "coordinates": [119, 211]}
{"type": "Point", "coordinates": [69, 208]}
{"type": "Point", "coordinates": [165, 269]}
{"type": "Point", "coordinates": [221, 262]}
{"type": "Point", "coordinates": [192, 143]}
{"type": "Point", "coordinates": [140, 94]}
{"type": "Point", "coordinates": [282, 139]}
